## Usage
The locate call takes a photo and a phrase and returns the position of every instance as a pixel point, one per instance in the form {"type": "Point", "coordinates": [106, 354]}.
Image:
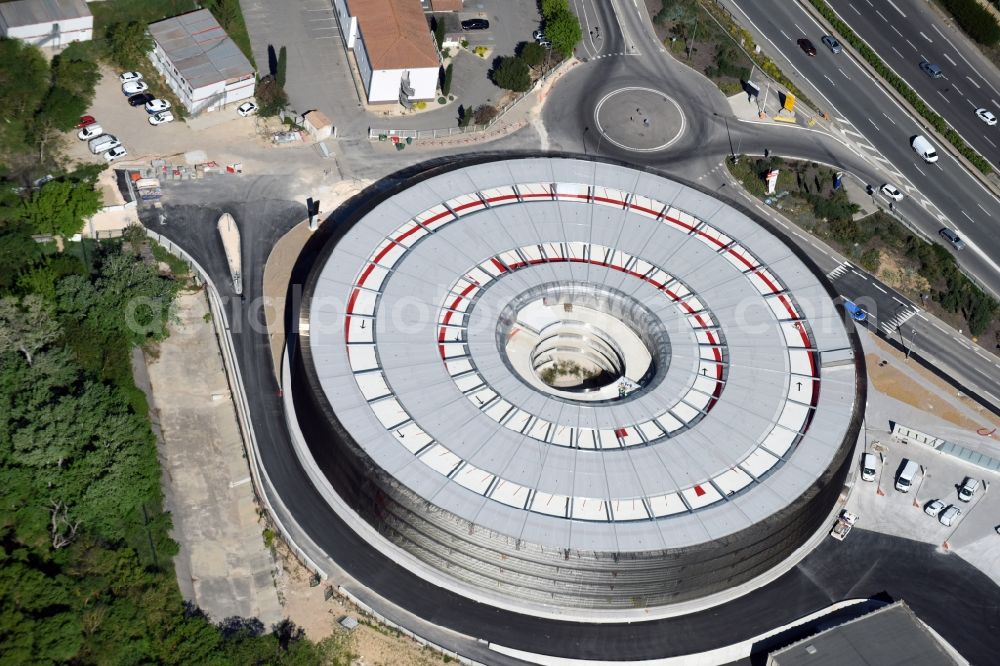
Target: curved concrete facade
{"type": "Point", "coordinates": [704, 473]}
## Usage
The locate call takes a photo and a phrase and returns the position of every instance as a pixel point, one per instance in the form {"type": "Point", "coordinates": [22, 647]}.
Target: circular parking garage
{"type": "Point", "coordinates": [562, 383]}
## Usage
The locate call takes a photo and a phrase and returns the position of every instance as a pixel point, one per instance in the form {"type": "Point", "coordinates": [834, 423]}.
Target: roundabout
{"type": "Point", "coordinates": [639, 119]}
{"type": "Point", "coordinates": [556, 383]}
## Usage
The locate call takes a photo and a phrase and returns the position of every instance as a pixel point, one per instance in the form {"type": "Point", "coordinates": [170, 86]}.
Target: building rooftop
{"type": "Point", "coordinates": [395, 33]}
{"type": "Point", "coordinates": [200, 49]}
{"type": "Point", "coordinates": [890, 635]}
{"type": "Point", "coordinates": [31, 12]}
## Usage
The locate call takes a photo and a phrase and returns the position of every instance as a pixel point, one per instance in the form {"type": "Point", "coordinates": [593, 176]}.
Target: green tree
{"type": "Point", "coordinates": [61, 206]}
{"type": "Point", "coordinates": [438, 32]}
{"type": "Point", "coordinates": [563, 30]}
{"type": "Point", "coordinates": [271, 98]}
{"type": "Point", "coordinates": [24, 80]}
{"type": "Point", "coordinates": [26, 327]}
{"type": "Point", "coordinates": [17, 250]}
{"type": "Point", "coordinates": [532, 54]}
{"type": "Point", "coordinates": [446, 81]}
{"type": "Point", "coordinates": [225, 11]}
{"type": "Point", "coordinates": [513, 74]}
{"type": "Point", "coordinates": [550, 8]}
{"type": "Point", "coordinates": [279, 76]}
{"type": "Point", "coordinates": [128, 43]}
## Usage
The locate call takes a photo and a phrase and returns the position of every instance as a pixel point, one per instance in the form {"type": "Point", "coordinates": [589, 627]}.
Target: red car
{"type": "Point", "coordinates": [807, 46]}
{"type": "Point", "coordinates": [84, 121]}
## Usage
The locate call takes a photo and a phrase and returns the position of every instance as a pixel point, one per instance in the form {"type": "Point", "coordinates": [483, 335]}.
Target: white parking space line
{"type": "Point", "coordinates": [984, 210]}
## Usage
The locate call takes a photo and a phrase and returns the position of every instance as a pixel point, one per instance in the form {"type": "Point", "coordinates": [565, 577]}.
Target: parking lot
{"type": "Point", "coordinates": [221, 136]}
{"type": "Point", "coordinates": [882, 508]}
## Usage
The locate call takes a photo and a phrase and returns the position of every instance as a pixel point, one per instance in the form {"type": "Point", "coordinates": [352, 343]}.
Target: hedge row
{"type": "Point", "coordinates": [902, 88]}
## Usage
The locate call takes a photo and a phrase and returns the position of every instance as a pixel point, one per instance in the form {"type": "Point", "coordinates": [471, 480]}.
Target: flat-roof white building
{"type": "Point", "coordinates": [201, 64]}
{"type": "Point", "coordinates": [394, 49]}
{"type": "Point", "coordinates": [53, 23]}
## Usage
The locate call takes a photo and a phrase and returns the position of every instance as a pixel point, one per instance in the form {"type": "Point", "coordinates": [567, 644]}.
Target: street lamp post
{"type": "Point", "coordinates": [732, 153]}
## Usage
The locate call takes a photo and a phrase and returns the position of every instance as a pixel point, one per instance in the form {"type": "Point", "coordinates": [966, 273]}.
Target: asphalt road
{"type": "Point", "coordinates": [906, 33]}
{"type": "Point", "coordinates": [866, 565]}
{"type": "Point", "coordinates": [938, 195]}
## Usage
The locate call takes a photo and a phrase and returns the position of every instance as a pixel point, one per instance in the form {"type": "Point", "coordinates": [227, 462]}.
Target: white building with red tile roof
{"type": "Point", "coordinates": [394, 49]}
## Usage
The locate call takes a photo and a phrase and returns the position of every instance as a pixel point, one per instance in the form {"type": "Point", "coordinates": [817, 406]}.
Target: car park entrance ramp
{"type": "Point", "coordinates": [575, 384]}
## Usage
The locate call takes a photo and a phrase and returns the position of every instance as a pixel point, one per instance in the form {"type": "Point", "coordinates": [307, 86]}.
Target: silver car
{"type": "Point", "coordinates": [950, 515]}
{"type": "Point", "coordinates": [831, 43]}
{"type": "Point", "coordinates": [933, 508]}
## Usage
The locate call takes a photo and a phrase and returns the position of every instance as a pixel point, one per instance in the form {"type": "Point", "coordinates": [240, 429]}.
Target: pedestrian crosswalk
{"type": "Point", "coordinates": [890, 326]}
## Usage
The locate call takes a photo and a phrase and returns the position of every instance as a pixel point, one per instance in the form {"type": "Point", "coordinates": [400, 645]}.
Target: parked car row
{"type": "Point", "coordinates": [98, 141]}
{"type": "Point", "coordinates": [135, 89]}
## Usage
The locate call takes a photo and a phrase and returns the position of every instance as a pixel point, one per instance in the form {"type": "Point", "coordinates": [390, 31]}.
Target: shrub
{"type": "Point", "coordinates": [974, 19]}
{"type": "Point", "coordinates": [532, 54]}
{"type": "Point", "coordinates": [484, 114]}
{"type": "Point", "coordinates": [563, 30]}
{"type": "Point", "coordinates": [438, 32]}
{"type": "Point", "coordinates": [512, 74]}
{"type": "Point", "coordinates": [870, 260]}
{"type": "Point", "coordinates": [420, 106]}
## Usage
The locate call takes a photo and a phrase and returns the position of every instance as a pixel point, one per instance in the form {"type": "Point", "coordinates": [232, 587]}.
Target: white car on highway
{"type": "Point", "coordinates": [987, 117]}
{"type": "Point", "coordinates": [891, 192]}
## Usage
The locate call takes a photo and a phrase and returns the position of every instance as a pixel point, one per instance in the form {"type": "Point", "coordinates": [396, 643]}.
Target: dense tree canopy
{"type": "Point", "coordinates": [513, 74]}
{"type": "Point", "coordinates": [60, 207]}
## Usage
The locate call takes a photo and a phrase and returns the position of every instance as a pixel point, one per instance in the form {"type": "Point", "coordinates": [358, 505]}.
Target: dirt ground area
{"type": "Point", "coordinates": [932, 395]}
{"type": "Point", "coordinates": [370, 643]}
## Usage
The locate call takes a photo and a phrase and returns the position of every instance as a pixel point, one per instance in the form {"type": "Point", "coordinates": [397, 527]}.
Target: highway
{"type": "Point", "coordinates": [937, 195]}
{"type": "Point", "coordinates": [906, 33]}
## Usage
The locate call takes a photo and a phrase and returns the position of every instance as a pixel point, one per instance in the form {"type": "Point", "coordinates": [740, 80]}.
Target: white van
{"type": "Point", "coordinates": [103, 143]}
{"type": "Point", "coordinates": [905, 478]}
{"type": "Point", "coordinates": [868, 466]}
{"type": "Point", "coordinates": [924, 148]}
{"type": "Point", "coordinates": [968, 489]}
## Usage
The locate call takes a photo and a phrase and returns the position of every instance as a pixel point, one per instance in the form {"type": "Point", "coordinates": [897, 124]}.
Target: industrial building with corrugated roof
{"type": "Point", "coordinates": [200, 62]}
{"type": "Point", "coordinates": [393, 47]}
{"type": "Point", "coordinates": [53, 23]}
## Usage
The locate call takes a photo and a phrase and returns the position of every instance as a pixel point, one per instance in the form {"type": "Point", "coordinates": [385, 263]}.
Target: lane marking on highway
{"type": "Point", "coordinates": [879, 288]}
{"type": "Point", "coordinates": [943, 97]}
{"type": "Point", "coordinates": [897, 8]}
{"type": "Point", "coordinates": [978, 73]}
{"type": "Point", "coordinates": [843, 120]}
{"type": "Point", "coordinates": [881, 16]}
{"type": "Point", "coordinates": [953, 63]}
{"type": "Point", "coordinates": [991, 143]}
{"type": "Point", "coordinates": [845, 75]}
{"type": "Point", "coordinates": [783, 33]}
{"type": "Point", "coordinates": [855, 8]}
{"type": "Point", "coordinates": [897, 32]}
{"type": "Point", "coordinates": [888, 118]}
{"type": "Point", "coordinates": [921, 315]}
{"type": "Point", "coordinates": [874, 125]}
{"type": "Point", "coordinates": [798, 28]}
{"type": "Point", "coordinates": [971, 80]}
{"type": "Point", "coordinates": [829, 79]}
{"type": "Point", "coordinates": [897, 52]}
{"type": "Point", "coordinates": [926, 37]}
{"type": "Point", "coordinates": [899, 301]}
{"type": "Point", "coordinates": [967, 217]}
{"type": "Point", "coordinates": [955, 86]}
{"type": "Point", "coordinates": [971, 103]}
{"type": "Point", "coordinates": [984, 210]}
{"type": "Point", "coordinates": [908, 42]}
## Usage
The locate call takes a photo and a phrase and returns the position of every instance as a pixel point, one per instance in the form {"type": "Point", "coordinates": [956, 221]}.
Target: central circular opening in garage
{"type": "Point", "coordinates": [582, 342]}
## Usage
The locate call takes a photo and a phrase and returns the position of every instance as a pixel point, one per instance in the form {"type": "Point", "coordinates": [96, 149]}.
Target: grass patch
{"type": "Point", "coordinates": [178, 267]}
{"type": "Point", "coordinates": [110, 12]}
